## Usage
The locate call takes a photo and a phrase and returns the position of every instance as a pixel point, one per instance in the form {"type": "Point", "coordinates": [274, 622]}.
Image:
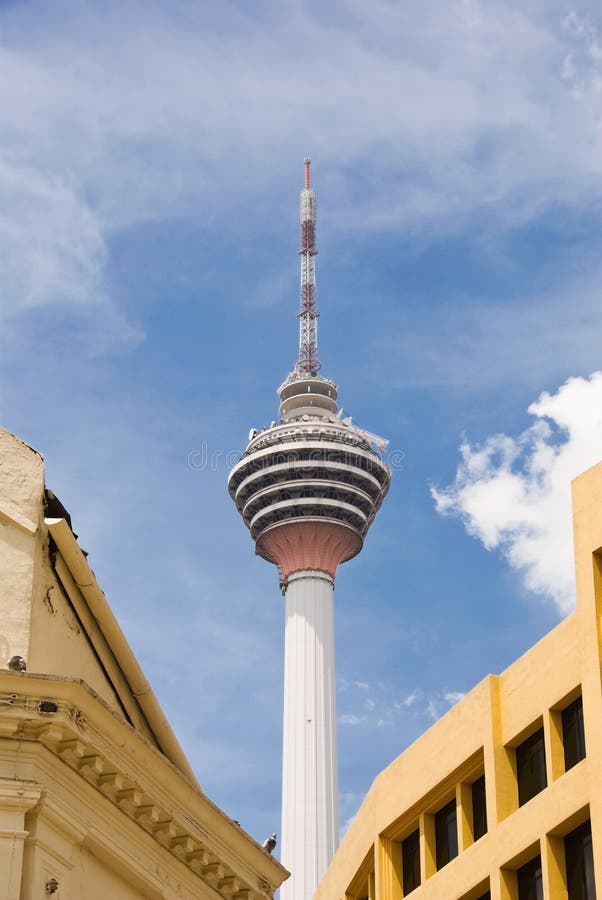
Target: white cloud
{"type": "Point", "coordinates": [433, 709]}
{"type": "Point", "coordinates": [351, 719]}
{"type": "Point", "coordinates": [50, 244]}
{"type": "Point", "coordinates": [514, 493]}
{"type": "Point", "coordinates": [345, 826]}
{"type": "Point", "coordinates": [411, 698]}
{"type": "Point", "coordinates": [349, 803]}
{"type": "Point", "coordinates": [140, 114]}
{"type": "Point", "coordinates": [380, 705]}
{"type": "Point", "coordinates": [438, 703]}
{"type": "Point", "coordinates": [453, 697]}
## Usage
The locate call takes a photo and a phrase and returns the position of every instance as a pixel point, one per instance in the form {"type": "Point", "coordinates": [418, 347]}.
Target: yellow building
{"type": "Point", "coordinates": [97, 800]}
{"type": "Point", "coordinates": [501, 798]}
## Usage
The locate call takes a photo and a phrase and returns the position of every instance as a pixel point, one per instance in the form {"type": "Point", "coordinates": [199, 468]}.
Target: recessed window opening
{"type": "Point", "coordinates": [573, 734]}
{"type": "Point", "coordinates": [579, 859]}
{"type": "Point", "coordinates": [530, 885]}
{"type": "Point", "coordinates": [446, 834]}
{"type": "Point", "coordinates": [531, 767]}
{"type": "Point", "coordinates": [410, 852]}
{"type": "Point", "coordinates": [479, 808]}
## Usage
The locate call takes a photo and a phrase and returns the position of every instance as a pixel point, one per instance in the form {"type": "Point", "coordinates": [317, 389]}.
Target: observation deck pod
{"type": "Point", "coordinates": [309, 488]}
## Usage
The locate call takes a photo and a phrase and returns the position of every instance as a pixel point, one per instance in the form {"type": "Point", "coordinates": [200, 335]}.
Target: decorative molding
{"type": "Point", "coordinates": [19, 794]}
{"type": "Point", "coordinates": [67, 735]}
{"type": "Point", "coordinates": [11, 513]}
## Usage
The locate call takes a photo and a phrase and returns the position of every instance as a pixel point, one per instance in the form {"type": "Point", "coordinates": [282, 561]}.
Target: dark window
{"type": "Point", "coordinates": [479, 808]}
{"type": "Point", "coordinates": [485, 896]}
{"type": "Point", "coordinates": [580, 863]}
{"type": "Point", "coordinates": [410, 852]}
{"type": "Point", "coordinates": [531, 767]}
{"type": "Point", "coordinates": [573, 735]}
{"type": "Point", "coordinates": [529, 881]}
{"type": "Point", "coordinates": [446, 834]}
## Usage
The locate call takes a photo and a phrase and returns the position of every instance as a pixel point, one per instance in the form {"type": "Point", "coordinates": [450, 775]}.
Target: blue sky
{"type": "Point", "coordinates": [150, 166]}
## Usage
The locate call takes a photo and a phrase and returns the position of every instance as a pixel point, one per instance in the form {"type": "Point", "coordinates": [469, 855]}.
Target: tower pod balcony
{"type": "Point", "coordinates": [319, 471]}
{"type": "Point", "coordinates": [300, 491]}
{"type": "Point", "coordinates": [289, 473]}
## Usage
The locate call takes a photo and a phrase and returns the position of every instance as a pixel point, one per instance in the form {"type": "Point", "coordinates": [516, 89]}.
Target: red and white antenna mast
{"type": "Point", "coordinates": [308, 362]}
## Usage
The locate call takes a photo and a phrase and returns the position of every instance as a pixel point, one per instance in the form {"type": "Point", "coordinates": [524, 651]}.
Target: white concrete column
{"type": "Point", "coordinates": [16, 798]}
{"type": "Point", "coordinates": [310, 827]}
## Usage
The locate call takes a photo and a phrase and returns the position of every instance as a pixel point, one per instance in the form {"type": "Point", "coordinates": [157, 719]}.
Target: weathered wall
{"type": "Point", "coordinates": [37, 619]}
{"type": "Point", "coordinates": [21, 494]}
{"type": "Point", "coordinates": [58, 643]}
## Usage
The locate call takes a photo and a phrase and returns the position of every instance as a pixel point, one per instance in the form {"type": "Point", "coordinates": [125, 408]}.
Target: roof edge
{"type": "Point", "coordinates": [85, 580]}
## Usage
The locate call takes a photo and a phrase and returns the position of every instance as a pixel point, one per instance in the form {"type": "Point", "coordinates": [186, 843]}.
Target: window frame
{"type": "Point", "coordinates": [479, 808]}
{"type": "Point", "coordinates": [576, 706]}
{"type": "Point", "coordinates": [529, 782]}
{"type": "Point", "coordinates": [414, 855]}
{"type": "Point", "coordinates": [583, 859]}
{"type": "Point", "coordinates": [535, 888]}
{"type": "Point", "coordinates": [446, 849]}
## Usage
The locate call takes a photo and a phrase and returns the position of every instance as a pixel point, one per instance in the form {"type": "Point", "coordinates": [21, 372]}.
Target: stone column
{"type": "Point", "coordinates": [16, 798]}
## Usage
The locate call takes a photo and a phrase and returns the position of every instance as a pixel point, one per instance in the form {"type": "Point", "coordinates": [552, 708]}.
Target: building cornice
{"type": "Point", "coordinates": [12, 514]}
{"type": "Point", "coordinates": [77, 727]}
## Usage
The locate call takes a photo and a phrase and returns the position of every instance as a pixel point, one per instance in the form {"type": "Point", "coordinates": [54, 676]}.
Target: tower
{"type": "Point", "coordinates": [308, 489]}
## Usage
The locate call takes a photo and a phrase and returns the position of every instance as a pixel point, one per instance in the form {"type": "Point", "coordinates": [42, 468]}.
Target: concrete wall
{"type": "Point", "coordinates": [37, 620]}
{"type": "Point", "coordinates": [479, 736]}
{"type": "Point", "coordinates": [21, 496]}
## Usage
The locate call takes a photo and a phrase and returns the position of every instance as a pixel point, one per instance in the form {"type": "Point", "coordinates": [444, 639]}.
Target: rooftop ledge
{"type": "Point", "coordinates": [72, 722]}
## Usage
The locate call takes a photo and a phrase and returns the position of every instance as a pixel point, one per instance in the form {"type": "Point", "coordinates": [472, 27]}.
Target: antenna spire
{"type": "Point", "coordinates": [308, 362]}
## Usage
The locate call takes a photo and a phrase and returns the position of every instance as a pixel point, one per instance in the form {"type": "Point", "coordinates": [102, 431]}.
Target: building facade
{"type": "Point", "coordinates": [502, 797]}
{"type": "Point", "coordinates": [97, 799]}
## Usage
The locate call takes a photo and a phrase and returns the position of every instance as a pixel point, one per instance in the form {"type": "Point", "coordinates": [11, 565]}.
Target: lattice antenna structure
{"type": "Point", "coordinates": [308, 362]}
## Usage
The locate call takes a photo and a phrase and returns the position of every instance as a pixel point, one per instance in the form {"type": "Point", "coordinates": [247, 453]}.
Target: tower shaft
{"type": "Point", "coordinates": [308, 362]}
{"type": "Point", "coordinates": [309, 782]}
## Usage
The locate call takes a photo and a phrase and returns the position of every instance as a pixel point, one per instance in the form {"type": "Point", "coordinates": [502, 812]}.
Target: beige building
{"type": "Point", "coordinates": [501, 798]}
{"type": "Point", "coordinates": [97, 800]}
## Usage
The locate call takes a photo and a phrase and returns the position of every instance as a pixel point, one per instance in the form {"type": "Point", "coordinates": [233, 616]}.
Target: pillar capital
{"type": "Point", "coordinates": [311, 573]}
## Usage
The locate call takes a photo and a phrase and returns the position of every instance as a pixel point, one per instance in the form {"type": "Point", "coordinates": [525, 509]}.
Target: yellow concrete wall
{"type": "Point", "coordinates": [478, 736]}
